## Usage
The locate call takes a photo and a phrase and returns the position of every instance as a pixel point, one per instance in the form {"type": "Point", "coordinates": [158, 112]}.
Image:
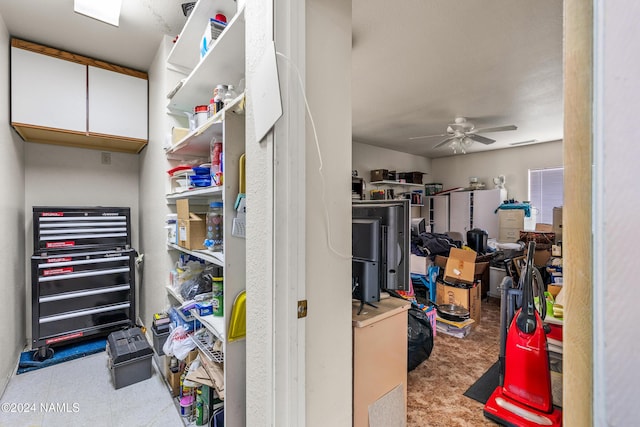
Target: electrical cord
{"type": "Point", "coordinates": [317, 144]}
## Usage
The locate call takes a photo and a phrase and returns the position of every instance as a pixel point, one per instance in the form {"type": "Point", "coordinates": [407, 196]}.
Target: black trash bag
{"type": "Point", "coordinates": [420, 338]}
{"type": "Point", "coordinates": [199, 285]}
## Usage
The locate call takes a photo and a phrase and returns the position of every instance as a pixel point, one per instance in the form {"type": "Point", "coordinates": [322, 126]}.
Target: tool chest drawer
{"type": "Point", "coordinates": [81, 292]}
{"type": "Point", "coordinates": [84, 321]}
{"type": "Point", "coordinates": [72, 228]}
{"type": "Point", "coordinates": [83, 271]}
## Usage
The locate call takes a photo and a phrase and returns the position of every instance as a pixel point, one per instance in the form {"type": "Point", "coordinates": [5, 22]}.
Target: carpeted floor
{"type": "Point", "coordinates": [435, 388]}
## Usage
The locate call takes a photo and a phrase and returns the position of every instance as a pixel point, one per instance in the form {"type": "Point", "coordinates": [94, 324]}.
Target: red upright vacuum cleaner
{"type": "Point", "coordinates": [524, 397]}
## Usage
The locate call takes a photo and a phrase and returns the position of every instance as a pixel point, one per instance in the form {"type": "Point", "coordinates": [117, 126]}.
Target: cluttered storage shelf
{"type": "Point", "coordinates": [205, 235]}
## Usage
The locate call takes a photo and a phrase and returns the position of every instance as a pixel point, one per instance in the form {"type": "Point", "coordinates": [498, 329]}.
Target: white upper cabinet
{"type": "Point", "coordinates": [117, 104]}
{"type": "Point", "coordinates": [48, 91]}
{"type": "Point", "coordinates": [62, 98]}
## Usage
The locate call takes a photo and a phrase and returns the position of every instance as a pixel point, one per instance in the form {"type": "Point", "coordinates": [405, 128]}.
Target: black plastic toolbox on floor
{"type": "Point", "coordinates": [129, 357]}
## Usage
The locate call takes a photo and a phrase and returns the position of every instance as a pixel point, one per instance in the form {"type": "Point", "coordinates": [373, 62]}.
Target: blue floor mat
{"type": "Point", "coordinates": [61, 354]}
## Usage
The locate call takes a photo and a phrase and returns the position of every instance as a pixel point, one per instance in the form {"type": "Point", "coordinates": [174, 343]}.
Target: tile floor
{"type": "Point", "coordinates": [80, 393]}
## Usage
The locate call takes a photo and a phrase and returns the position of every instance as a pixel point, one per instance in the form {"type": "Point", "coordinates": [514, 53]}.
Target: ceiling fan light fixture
{"type": "Point", "coordinates": [454, 145]}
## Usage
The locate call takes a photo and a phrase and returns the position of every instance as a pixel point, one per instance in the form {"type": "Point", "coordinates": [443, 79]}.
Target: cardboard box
{"type": "Point", "coordinates": [480, 267]}
{"type": "Point", "coordinates": [379, 175]}
{"type": "Point", "coordinates": [511, 218]}
{"type": "Point", "coordinates": [541, 256]}
{"type": "Point", "coordinates": [468, 298]}
{"type": "Point", "coordinates": [191, 227]}
{"type": "Point", "coordinates": [545, 228]}
{"type": "Point", "coordinates": [461, 266]}
{"type": "Point", "coordinates": [178, 134]}
{"type": "Point", "coordinates": [173, 380]}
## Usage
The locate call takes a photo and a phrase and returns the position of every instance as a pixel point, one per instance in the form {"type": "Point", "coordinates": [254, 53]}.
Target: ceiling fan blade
{"type": "Point", "coordinates": [428, 136]}
{"type": "Point", "coordinates": [482, 139]}
{"type": "Point", "coordinates": [495, 129]}
{"type": "Point", "coordinates": [441, 143]}
{"type": "Point", "coordinates": [529, 141]}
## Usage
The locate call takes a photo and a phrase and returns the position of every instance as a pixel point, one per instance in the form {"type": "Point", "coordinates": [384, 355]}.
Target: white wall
{"type": "Point", "coordinates": [153, 188]}
{"type": "Point", "coordinates": [617, 203]}
{"type": "Point", "coordinates": [321, 40]}
{"type": "Point", "coordinates": [328, 275]}
{"type": "Point", "coordinates": [366, 158]}
{"type": "Point", "coordinates": [66, 176]}
{"type": "Point", "coordinates": [12, 214]}
{"type": "Point", "coordinates": [513, 163]}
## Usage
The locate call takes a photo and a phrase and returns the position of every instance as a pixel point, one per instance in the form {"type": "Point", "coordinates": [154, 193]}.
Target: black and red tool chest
{"type": "Point", "coordinates": [82, 274]}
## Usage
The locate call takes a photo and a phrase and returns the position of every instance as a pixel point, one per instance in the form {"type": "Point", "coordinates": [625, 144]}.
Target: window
{"type": "Point", "coordinates": [546, 191]}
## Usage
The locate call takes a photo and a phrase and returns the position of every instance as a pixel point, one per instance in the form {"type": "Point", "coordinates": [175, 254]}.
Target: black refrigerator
{"type": "Point", "coordinates": [82, 275]}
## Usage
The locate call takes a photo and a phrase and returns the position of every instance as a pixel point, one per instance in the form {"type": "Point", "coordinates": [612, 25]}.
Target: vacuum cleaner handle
{"type": "Point", "coordinates": [526, 319]}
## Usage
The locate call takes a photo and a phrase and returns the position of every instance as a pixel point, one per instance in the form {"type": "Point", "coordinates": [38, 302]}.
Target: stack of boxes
{"type": "Point", "coordinates": [460, 286]}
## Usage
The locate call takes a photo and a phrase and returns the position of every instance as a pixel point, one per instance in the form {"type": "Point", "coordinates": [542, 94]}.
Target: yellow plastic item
{"type": "Point", "coordinates": [238, 321]}
{"type": "Point", "coordinates": [243, 181]}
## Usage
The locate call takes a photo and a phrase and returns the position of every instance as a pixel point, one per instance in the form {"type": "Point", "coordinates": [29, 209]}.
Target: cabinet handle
{"type": "Point", "coordinates": [83, 274]}
{"type": "Point", "coordinates": [82, 262]}
{"type": "Point", "coordinates": [82, 313]}
{"type": "Point", "coordinates": [71, 295]}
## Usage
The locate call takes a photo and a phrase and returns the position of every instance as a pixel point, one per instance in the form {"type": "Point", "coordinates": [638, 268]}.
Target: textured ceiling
{"type": "Point", "coordinates": [133, 44]}
{"type": "Point", "coordinates": [419, 64]}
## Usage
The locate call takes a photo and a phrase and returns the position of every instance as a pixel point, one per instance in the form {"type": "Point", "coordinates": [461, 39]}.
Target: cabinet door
{"type": "Point", "coordinates": [47, 91]}
{"type": "Point", "coordinates": [117, 104]}
{"type": "Point", "coordinates": [485, 203]}
{"type": "Point", "coordinates": [440, 214]}
{"type": "Point", "coordinates": [459, 214]}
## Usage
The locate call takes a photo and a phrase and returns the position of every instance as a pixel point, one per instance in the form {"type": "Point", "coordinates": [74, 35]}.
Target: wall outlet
{"type": "Point", "coordinates": [105, 158]}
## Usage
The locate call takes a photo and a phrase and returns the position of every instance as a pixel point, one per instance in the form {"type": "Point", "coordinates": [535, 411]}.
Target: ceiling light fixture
{"type": "Point", "coordinates": [460, 143]}
{"type": "Point", "coordinates": [103, 10]}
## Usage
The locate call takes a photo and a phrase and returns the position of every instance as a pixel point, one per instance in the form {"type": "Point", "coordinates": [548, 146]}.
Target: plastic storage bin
{"type": "Point", "coordinates": [158, 341]}
{"type": "Point", "coordinates": [129, 357]}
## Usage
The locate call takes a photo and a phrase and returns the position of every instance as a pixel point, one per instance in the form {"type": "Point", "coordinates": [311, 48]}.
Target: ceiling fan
{"type": "Point", "coordinates": [461, 134]}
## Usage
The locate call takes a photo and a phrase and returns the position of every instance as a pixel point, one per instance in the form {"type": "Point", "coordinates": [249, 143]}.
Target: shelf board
{"type": "Point", "coordinates": [213, 323]}
{"type": "Point", "coordinates": [216, 258]}
{"type": "Point", "coordinates": [224, 63]}
{"type": "Point", "coordinates": [401, 184]}
{"type": "Point", "coordinates": [197, 143]}
{"type": "Point", "coordinates": [200, 192]}
{"type": "Point", "coordinates": [174, 294]}
{"type": "Point", "coordinates": [186, 52]}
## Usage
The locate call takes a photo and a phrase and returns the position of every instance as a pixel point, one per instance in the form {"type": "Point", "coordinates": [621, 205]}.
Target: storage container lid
{"type": "Point", "coordinates": [216, 204]}
{"type": "Point", "coordinates": [127, 345]}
